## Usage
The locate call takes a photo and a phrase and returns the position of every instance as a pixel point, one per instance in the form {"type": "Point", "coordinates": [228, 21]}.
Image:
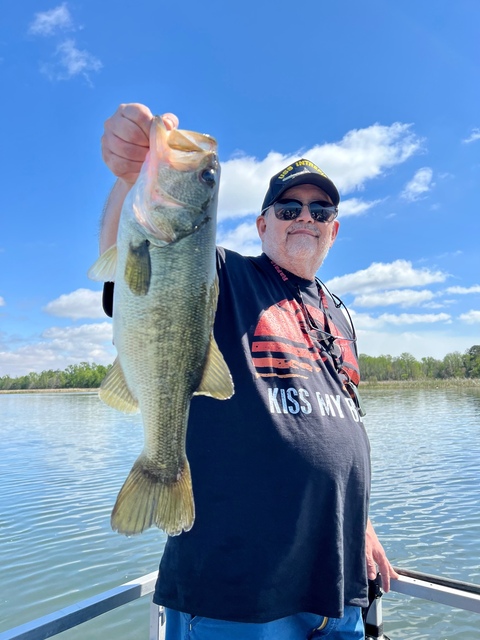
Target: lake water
{"type": "Point", "coordinates": [65, 456]}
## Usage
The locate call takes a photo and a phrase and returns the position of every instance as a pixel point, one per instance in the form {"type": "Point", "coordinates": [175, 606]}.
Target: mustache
{"type": "Point", "coordinates": [302, 226]}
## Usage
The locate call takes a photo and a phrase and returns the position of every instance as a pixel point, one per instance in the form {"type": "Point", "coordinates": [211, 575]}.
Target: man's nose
{"type": "Point", "coordinates": [305, 214]}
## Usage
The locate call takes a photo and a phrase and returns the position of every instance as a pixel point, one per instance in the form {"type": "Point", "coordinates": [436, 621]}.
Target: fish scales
{"type": "Point", "coordinates": [165, 300]}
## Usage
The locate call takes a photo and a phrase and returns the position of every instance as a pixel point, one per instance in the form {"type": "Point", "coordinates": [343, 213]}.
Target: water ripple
{"type": "Point", "coordinates": [65, 457]}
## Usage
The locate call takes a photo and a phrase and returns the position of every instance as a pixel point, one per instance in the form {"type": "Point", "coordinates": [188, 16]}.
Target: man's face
{"type": "Point", "coordinates": [303, 241]}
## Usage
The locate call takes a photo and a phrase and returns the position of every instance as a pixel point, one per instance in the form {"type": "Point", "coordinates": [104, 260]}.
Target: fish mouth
{"type": "Point", "coordinates": [183, 150]}
{"type": "Point", "coordinates": [182, 140]}
{"type": "Point", "coordinates": [177, 151]}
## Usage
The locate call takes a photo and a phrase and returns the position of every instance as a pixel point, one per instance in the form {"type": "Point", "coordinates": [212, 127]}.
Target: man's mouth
{"type": "Point", "coordinates": [304, 231]}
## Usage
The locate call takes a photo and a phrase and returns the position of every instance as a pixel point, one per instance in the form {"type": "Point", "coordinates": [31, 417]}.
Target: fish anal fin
{"type": "Point", "coordinates": [105, 267]}
{"type": "Point", "coordinates": [138, 269]}
{"type": "Point", "coordinates": [115, 392]}
{"type": "Point", "coordinates": [145, 501]}
{"type": "Point", "coordinates": [216, 381]}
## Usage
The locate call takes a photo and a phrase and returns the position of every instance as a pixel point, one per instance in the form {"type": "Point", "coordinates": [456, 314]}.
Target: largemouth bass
{"type": "Point", "coordinates": [165, 299]}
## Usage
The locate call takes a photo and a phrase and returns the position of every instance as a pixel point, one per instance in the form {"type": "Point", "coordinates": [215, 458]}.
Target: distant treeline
{"type": "Point", "coordinates": [75, 376]}
{"type": "Point", "coordinates": [379, 368]}
{"type": "Point", "coordinates": [406, 367]}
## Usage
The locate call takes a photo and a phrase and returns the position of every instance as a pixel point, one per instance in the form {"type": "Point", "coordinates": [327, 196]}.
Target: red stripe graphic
{"type": "Point", "coordinates": [285, 346]}
{"type": "Point", "coordinates": [281, 347]}
{"type": "Point", "coordinates": [283, 363]}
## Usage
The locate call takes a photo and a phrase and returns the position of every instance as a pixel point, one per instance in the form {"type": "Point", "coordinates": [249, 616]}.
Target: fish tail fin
{"type": "Point", "coordinates": [146, 500]}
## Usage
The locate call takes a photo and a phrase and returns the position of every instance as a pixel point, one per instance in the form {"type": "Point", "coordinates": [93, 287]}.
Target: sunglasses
{"type": "Point", "coordinates": [321, 211]}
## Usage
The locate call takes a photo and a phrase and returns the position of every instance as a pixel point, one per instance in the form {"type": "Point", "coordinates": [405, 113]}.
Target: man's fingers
{"type": "Point", "coordinates": [113, 144]}
{"type": "Point", "coordinates": [128, 170]}
{"type": "Point", "coordinates": [170, 120]}
{"type": "Point", "coordinates": [137, 115]}
{"type": "Point", "coordinates": [126, 139]}
{"type": "Point", "coordinates": [371, 569]}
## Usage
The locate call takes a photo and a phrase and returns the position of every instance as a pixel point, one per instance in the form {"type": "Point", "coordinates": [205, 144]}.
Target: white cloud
{"type": "Point", "coordinates": [361, 155]}
{"type": "Point", "coordinates": [463, 290]}
{"type": "Point", "coordinates": [2, 302]}
{"type": "Point", "coordinates": [413, 318]}
{"type": "Point", "coordinates": [401, 297]}
{"type": "Point", "coordinates": [365, 321]}
{"type": "Point", "coordinates": [86, 334]}
{"type": "Point", "coordinates": [356, 207]}
{"type": "Point", "coordinates": [472, 317]}
{"type": "Point", "coordinates": [473, 137]}
{"type": "Point", "coordinates": [364, 154]}
{"type": "Point", "coordinates": [71, 62]}
{"type": "Point", "coordinates": [380, 276]}
{"type": "Point", "coordinates": [59, 347]}
{"type": "Point", "coordinates": [235, 199]}
{"type": "Point", "coordinates": [421, 344]}
{"type": "Point", "coordinates": [46, 23]}
{"type": "Point", "coordinates": [420, 183]}
{"type": "Point", "coordinates": [244, 239]}
{"type": "Point", "coordinates": [82, 303]}
{"type": "Point", "coordinates": [436, 305]}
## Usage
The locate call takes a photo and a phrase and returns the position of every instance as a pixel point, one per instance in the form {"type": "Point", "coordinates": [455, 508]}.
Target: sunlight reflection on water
{"type": "Point", "coordinates": [65, 456]}
{"type": "Point", "coordinates": [425, 497]}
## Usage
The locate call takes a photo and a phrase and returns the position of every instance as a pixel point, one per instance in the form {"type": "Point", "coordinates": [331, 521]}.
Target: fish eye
{"type": "Point", "coordinates": [208, 177]}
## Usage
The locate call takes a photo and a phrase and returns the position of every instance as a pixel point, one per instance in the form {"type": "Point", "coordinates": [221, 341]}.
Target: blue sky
{"type": "Point", "coordinates": [384, 96]}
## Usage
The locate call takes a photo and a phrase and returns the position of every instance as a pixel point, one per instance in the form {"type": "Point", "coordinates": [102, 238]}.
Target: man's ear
{"type": "Point", "coordinates": [336, 226]}
{"type": "Point", "coordinates": [261, 225]}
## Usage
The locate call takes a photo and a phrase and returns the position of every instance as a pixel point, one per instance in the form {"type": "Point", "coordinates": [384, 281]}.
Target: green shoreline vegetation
{"type": "Point", "coordinates": [76, 376]}
{"type": "Point", "coordinates": [455, 369]}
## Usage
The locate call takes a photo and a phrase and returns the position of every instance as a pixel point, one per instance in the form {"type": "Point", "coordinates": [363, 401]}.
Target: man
{"type": "Point", "coordinates": [282, 545]}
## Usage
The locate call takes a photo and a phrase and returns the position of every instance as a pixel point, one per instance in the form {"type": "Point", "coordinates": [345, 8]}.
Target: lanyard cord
{"type": "Point", "coordinates": [329, 344]}
{"type": "Point", "coordinates": [323, 305]}
{"type": "Point", "coordinates": [338, 304]}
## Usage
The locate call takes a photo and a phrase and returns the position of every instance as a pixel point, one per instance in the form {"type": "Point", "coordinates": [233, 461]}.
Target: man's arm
{"type": "Point", "coordinates": [125, 143]}
{"type": "Point", "coordinates": [376, 557]}
{"type": "Point", "coordinates": [111, 214]}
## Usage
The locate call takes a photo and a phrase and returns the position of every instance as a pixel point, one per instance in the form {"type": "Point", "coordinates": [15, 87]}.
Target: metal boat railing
{"type": "Point", "coordinates": [453, 593]}
{"type": "Point", "coordinates": [80, 612]}
{"type": "Point", "coordinates": [446, 591]}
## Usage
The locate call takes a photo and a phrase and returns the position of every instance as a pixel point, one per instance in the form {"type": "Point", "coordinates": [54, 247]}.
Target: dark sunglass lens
{"type": "Point", "coordinates": [322, 212]}
{"type": "Point", "coordinates": [287, 209]}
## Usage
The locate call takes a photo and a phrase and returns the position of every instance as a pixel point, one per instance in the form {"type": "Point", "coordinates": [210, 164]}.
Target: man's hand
{"type": "Point", "coordinates": [125, 144]}
{"type": "Point", "coordinates": [377, 559]}
{"type": "Point", "coordinates": [126, 139]}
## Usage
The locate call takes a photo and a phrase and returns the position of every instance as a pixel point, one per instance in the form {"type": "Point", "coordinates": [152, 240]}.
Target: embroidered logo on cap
{"type": "Point", "coordinates": [287, 175]}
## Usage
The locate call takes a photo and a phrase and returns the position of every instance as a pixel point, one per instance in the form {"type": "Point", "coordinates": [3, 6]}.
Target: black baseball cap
{"type": "Point", "coordinates": [300, 172]}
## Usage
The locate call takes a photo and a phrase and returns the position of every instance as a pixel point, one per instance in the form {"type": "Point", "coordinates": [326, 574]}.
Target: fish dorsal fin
{"type": "Point", "coordinates": [105, 267]}
{"type": "Point", "coordinates": [216, 381]}
{"type": "Point", "coordinates": [114, 391]}
{"type": "Point", "coordinates": [138, 269]}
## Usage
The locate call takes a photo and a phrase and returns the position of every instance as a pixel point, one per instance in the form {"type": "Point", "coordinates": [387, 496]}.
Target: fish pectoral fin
{"type": "Point", "coordinates": [217, 380]}
{"type": "Point", "coordinates": [115, 392]}
{"type": "Point", "coordinates": [138, 269]}
{"type": "Point", "coordinates": [105, 267]}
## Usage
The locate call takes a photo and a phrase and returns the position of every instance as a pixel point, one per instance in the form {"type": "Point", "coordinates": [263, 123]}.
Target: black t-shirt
{"type": "Point", "coordinates": [281, 471]}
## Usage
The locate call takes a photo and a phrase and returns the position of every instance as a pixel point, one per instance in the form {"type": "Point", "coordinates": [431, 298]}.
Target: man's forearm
{"type": "Point", "coordinates": [111, 214]}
